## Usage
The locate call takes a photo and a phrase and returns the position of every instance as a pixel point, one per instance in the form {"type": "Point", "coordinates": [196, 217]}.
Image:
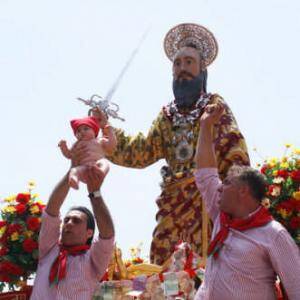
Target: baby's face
{"type": "Point", "coordinates": [85, 133]}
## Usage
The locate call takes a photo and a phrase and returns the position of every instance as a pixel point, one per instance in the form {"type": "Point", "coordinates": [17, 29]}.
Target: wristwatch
{"type": "Point", "coordinates": [95, 194]}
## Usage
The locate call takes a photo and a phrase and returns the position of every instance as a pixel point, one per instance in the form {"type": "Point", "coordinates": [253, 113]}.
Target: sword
{"type": "Point", "coordinates": [104, 104]}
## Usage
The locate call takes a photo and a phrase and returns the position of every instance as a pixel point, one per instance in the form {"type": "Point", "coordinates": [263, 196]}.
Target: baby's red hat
{"type": "Point", "coordinates": [91, 122]}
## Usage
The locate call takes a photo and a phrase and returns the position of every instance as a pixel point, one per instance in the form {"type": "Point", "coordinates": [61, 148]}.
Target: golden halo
{"type": "Point", "coordinates": [185, 33]}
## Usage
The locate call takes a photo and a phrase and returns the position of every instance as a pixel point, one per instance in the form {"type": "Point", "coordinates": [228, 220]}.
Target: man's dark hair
{"type": "Point", "coordinates": [253, 178]}
{"type": "Point", "coordinates": [89, 217]}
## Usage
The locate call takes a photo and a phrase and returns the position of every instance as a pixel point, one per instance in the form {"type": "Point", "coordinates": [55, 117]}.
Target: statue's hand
{"type": "Point", "coordinates": [100, 116]}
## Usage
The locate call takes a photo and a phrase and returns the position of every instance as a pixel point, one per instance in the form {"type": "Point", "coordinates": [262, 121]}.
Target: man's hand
{"type": "Point", "coordinates": [81, 150]}
{"type": "Point", "coordinates": [205, 152]}
{"type": "Point", "coordinates": [96, 175]}
{"type": "Point", "coordinates": [211, 115]}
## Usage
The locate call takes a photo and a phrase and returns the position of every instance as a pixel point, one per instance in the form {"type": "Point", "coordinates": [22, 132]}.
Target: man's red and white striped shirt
{"type": "Point", "coordinates": [83, 271]}
{"type": "Point", "coordinates": [250, 260]}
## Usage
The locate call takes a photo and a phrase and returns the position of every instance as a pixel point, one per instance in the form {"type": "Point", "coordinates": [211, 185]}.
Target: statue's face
{"type": "Point", "coordinates": [186, 64]}
{"type": "Point", "coordinates": [188, 78]}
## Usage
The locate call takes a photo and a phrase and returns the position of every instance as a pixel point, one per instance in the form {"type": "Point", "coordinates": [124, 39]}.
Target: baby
{"type": "Point", "coordinates": [86, 131]}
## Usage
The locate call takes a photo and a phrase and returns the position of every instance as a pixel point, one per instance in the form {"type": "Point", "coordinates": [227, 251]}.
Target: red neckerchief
{"type": "Point", "coordinates": [259, 218]}
{"type": "Point", "coordinates": [59, 266]}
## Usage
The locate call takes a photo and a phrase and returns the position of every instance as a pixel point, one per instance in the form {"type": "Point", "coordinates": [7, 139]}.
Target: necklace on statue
{"type": "Point", "coordinates": [183, 123]}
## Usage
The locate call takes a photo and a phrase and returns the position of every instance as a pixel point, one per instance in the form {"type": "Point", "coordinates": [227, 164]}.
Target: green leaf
{"type": "Point", "coordinates": [35, 254]}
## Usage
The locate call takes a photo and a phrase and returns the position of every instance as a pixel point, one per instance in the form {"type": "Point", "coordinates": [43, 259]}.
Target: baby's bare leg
{"type": "Point", "coordinates": [103, 166]}
{"type": "Point", "coordinates": [73, 178]}
{"type": "Point", "coordinates": [79, 173]}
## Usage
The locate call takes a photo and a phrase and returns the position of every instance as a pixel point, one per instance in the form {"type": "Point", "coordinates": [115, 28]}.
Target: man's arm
{"type": "Point", "coordinates": [285, 258]}
{"type": "Point", "coordinates": [50, 228]}
{"type": "Point", "coordinates": [205, 156]}
{"type": "Point", "coordinates": [206, 175]}
{"type": "Point", "coordinates": [101, 251]}
{"type": "Point", "coordinates": [101, 212]}
{"type": "Point", "coordinates": [58, 196]}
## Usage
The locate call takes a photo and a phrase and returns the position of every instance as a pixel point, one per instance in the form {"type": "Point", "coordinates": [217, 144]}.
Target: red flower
{"type": "Point", "coordinates": [29, 245]}
{"type": "Point", "coordinates": [263, 169]}
{"type": "Point", "coordinates": [23, 198]}
{"type": "Point", "coordinates": [271, 188]}
{"type": "Point", "coordinates": [3, 251]}
{"type": "Point", "coordinates": [296, 204]}
{"type": "Point", "coordinates": [10, 268]}
{"type": "Point", "coordinates": [41, 206]}
{"type": "Point", "coordinates": [287, 205]}
{"type": "Point", "coordinates": [2, 223]}
{"type": "Point", "coordinates": [3, 239]}
{"type": "Point", "coordinates": [283, 173]}
{"type": "Point", "coordinates": [295, 223]}
{"type": "Point", "coordinates": [14, 228]}
{"type": "Point", "coordinates": [33, 223]}
{"type": "Point", "coordinates": [295, 175]}
{"type": "Point", "coordinates": [20, 208]}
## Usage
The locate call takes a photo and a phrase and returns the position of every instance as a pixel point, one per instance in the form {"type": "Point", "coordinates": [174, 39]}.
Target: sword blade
{"type": "Point", "coordinates": [128, 63]}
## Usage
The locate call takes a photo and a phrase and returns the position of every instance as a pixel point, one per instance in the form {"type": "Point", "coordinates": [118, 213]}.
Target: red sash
{"type": "Point", "coordinates": [260, 218]}
{"type": "Point", "coordinates": [59, 266]}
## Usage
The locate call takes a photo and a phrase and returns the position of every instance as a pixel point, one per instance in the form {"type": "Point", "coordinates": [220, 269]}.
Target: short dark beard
{"type": "Point", "coordinates": [187, 92]}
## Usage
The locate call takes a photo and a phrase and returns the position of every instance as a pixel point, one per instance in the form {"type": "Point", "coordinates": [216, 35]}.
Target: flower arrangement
{"type": "Point", "coordinates": [283, 190]}
{"type": "Point", "coordinates": [19, 230]}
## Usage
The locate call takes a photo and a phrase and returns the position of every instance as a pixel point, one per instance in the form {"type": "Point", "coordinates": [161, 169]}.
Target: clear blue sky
{"type": "Point", "coordinates": [54, 51]}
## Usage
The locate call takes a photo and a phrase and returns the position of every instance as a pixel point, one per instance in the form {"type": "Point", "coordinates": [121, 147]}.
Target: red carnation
{"type": "Point", "coordinates": [14, 228]}
{"type": "Point", "coordinates": [10, 268]}
{"type": "Point", "coordinates": [29, 245]}
{"type": "Point", "coordinates": [20, 208]}
{"type": "Point", "coordinates": [295, 175]}
{"type": "Point", "coordinates": [2, 223]}
{"type": "Point", "coordinates": [295, 223]}
{"type": "Point", "coordinates": [287, 205]}
{"type": "Point", "coordinates": [283, 173]}
{"type": "Point", "coordinates": [3, 251]}
{"type": "Point", "coordinates": [23, 198]}
{"type": "Point", "coordinates": [33, 223]}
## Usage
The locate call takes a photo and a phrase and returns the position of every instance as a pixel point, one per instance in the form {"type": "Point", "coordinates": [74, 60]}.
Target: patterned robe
{"type": "Point", "coordinates": [180, 205]}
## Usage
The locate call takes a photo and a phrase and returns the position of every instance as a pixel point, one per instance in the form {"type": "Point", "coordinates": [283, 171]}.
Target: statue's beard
{"type": "Point", "coordinates": [187, 92]}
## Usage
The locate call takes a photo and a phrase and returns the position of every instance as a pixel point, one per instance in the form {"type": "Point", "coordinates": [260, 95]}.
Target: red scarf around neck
{"type": "Point", "coordinates": [59, 266]}
{"type": "Point", "coordinates": [260, 218]}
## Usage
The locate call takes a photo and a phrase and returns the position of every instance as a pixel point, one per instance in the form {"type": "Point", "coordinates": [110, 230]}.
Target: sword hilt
{"type": "Point", "coordinates": [109, 108]}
